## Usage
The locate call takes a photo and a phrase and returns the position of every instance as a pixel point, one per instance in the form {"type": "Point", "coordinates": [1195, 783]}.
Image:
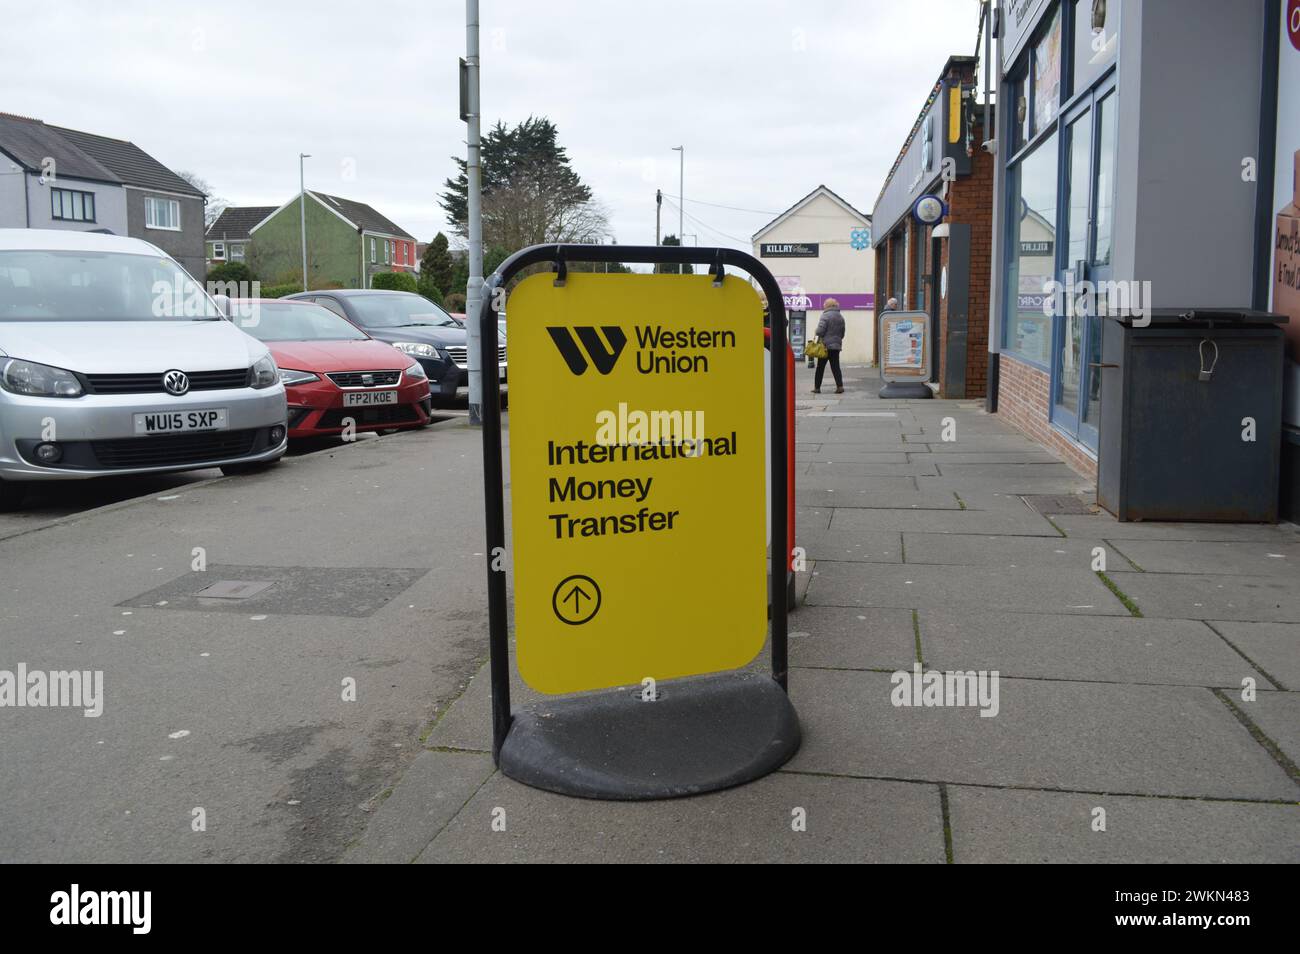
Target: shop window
{"type": "Point", "coordinates": [898, 267]}
{"type": "Point", "coordinates": [1032, 213]}
{"type": "Point", "coordinates": [922, 265]}
{"type": "Point", "coordinates": [1096, 37]}
{"type": "Point", "coordinates": [1105, 179]}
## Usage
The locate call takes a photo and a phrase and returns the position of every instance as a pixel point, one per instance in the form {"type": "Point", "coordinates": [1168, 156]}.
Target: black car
{"type": "Point", "coordinates": [414, 325]}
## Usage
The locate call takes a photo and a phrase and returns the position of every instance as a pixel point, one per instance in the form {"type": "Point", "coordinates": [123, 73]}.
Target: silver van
{"type": "Point", "coordinates": [113, 360]}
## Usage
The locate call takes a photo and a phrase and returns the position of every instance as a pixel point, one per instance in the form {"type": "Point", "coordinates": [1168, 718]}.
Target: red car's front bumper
{"type": "Point", "coordinates": [319, 408]}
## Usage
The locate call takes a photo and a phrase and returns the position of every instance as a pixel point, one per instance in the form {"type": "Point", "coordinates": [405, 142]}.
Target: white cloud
{"type": "Point", "coordinates": [769, 98]}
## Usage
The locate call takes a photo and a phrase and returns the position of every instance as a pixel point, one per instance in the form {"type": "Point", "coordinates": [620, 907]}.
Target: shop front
{"type": "Point", "coordinates": [941, 265]}
{"type": "Point", "coordinates": [1120, 142]}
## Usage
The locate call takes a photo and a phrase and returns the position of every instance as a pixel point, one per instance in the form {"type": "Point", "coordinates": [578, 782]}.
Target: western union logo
{"type": "Point", "coordinates": [603, 358]}
{"type": "Point", "coordinates": [656, 348]}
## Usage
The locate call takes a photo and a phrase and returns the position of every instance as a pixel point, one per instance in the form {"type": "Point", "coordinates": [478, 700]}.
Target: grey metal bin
{"type": "Point", "coordinates": [1175, 399]}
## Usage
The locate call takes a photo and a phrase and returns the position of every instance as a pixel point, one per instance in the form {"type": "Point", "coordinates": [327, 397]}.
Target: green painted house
{"type": "Point", "coordinates": [347, 243]}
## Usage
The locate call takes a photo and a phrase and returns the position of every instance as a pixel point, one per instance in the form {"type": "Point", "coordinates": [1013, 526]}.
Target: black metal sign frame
{"type": "Point", "coordinates": [493, 471]}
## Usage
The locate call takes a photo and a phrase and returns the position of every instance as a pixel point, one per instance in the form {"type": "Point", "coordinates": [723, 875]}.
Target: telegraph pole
{"type": "Point", "coordinates": [659, 205]}
{"type": "Point", "coordinates": [473, 173]}
{"type": "Point", "coordinates": [681, 200]}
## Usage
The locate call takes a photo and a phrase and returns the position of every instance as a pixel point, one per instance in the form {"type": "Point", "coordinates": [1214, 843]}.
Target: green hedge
{"type": "Point", "coordinates": [279, 291]}
{"type": "Point", "coordinates": [395, 281]}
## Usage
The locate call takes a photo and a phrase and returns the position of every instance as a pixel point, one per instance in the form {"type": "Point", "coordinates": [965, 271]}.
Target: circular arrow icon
{"type": "Point", "coordinates": [576, 599]}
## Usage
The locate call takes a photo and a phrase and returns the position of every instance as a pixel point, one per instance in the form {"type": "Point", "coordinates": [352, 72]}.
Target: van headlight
{"type": "Point", "coordinates": [38, 380]}
{"type": "Point", "coordinates": [265, 373]}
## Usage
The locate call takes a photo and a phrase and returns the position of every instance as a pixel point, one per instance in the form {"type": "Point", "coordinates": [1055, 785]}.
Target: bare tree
{"type": "Point", "coordinates": [215, 204]}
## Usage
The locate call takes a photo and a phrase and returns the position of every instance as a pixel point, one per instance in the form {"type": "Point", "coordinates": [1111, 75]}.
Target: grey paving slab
{"type": "Point", "coordinates": [1109, 649]}
{"type": "Point", "coordinates": [1104, 525]}
{"type": "Point", "coordinates": [1275, 647]}
{"type": "Point", "coordinates": [851, 638]}
{"type": "Point", "coordinates": [467, 723]}
{"type": "Point", "coordinates": [851, 485]}
{"type": "Point", "coordinates": [869, 433]}
{"type": "Point", "coordinates": [816, 469]}
{"type": "Point", "coordinates": [1027, 590]}
{"type": "Point", "coordinates": [1243, 559]}
{"type": "Point", "coordinates": [1145, 740]}
{"type": "Point", "coordinates": [832, 455]}
{"type": "Point", "coordinates": [811, 519]}
{"type": "Point", "coordinates": [1018, 523]}
{"type": "Point", "coordinates": [978, 444]}
{"type": "Point", "coordinates": [848, 820]}
{"type": "Point", "coordinates": [974, 484]}
{"type": "Point", "coordinates": [877, 500]}
{"type": "Point", "coordinates": [997, 550]}
{"type": "Point", "coordinates": [856, 546]}
{"type": "Point", "coordinates": [433, 789]}
{"type": "Point", "coordinates": [1019, 458]}
{"type": "Point", "coordinates": [1012, 471]}
{"type": "Point", "coordinates": [1278, 716]}
{"type": "Point", "coordinates": [1202, 596]}
{"type": "Point", "coordinates": [1000, 826]}
{"type": "Point", "coordinates": [878, 445]}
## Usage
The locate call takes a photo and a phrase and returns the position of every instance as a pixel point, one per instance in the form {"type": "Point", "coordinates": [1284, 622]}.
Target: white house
{"type": "Point", "coordinates": [820, 248]}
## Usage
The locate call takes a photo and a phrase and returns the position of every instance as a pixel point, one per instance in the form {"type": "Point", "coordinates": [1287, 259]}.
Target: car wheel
{"type": "Point", "coordinates": [11, 495]}
{"type": "Point", "coordinates": [236, 470]}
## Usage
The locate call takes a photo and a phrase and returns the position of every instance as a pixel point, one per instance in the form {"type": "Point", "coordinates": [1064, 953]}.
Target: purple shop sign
{"type": "Point", "coordinates": [849, 301]}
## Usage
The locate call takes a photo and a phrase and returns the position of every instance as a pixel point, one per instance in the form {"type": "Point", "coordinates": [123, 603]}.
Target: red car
{"type": "Point", "coordinates": [333, 372]}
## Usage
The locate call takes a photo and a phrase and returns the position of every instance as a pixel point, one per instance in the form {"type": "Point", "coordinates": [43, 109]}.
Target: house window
{"type": "Point", "coordinates": [69, 206]}
{"type": "Point", "coordinates": [219, 250]}
{"type": "Point", "coordinates": [162, 214]}
{"type": "Point", "coordinates": [388, 247]}
{"type": "Point", "coordinates": [237, 253]}
{"type": "Point", "coordinates": [372, 251]}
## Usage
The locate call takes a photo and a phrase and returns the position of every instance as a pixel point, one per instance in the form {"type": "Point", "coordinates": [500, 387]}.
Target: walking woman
{"type": "Point", "coordinates": [830, 331]}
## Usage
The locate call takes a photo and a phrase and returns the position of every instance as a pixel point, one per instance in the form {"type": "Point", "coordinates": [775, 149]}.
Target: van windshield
{"type": "Point", "coordinates": [45, 285]}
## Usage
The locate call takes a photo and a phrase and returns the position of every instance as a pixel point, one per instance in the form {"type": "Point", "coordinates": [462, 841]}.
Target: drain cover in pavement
{"type": "Point", "coordinates": [292, 590]}
{"type": "Point", "coordinates": [1059, 503]}
{"type": "Point", "coordinates": [234, 589]}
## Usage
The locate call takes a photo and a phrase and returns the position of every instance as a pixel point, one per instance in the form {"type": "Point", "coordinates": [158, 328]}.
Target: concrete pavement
{"type": "Point", "coordinates": [1121, 733]}
{"type": "Point", "coordinates": [1121, 693]}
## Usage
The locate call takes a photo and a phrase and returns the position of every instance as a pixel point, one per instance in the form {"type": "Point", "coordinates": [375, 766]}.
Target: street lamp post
{"type": "Point", "coordinates": [681, 199]}
{"type": "Point", "coordinates": [302, 205]}
{"type": "Point", "coordinates": [474, 198]}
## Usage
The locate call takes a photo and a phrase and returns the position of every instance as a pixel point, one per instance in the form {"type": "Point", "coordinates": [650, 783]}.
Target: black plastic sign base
{"type": "Point", "coordinates": [909, 390]}
{"type": "Point", "coordinates": [700, 735]}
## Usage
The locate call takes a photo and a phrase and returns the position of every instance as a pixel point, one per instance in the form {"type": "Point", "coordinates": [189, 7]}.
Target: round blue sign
{"type": "Point", "coordinates": [929, 209]}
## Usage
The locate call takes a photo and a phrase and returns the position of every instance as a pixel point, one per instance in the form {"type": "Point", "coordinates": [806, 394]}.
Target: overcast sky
{"type": "Point", "coordinates": [769, 98]}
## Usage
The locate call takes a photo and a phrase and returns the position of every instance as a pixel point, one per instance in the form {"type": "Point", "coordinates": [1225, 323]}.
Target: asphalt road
{"type": "Point", "coordinates": [264, 730]}
{"type": "Point", "coordinates": [50, 500]}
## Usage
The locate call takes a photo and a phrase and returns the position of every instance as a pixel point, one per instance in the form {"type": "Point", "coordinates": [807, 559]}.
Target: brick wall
{"type": "Point", "coordinates": [1024, 396]}
{"type": "Point", "coordinates": [970, 201]}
